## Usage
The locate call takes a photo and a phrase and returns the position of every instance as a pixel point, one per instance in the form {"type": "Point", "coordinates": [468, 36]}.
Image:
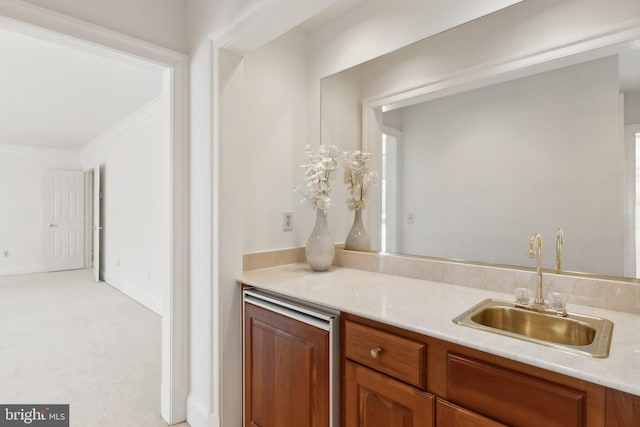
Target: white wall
{"type": "Point", "coordinates": [23, 174]}
{"type": "Point", "coordinates": [135, 181]}
{"type": "Point", "coordinates": [162, 22]}
{"type": "Point", "coordinates": [485, 169]}
{"type": "Point", "coordinates": [275, 104]}
{"type": "Point", "coordinates": [263, 122]}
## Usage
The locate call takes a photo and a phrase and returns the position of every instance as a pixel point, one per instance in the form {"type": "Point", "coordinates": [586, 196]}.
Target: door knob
{"type": "Point", "coordinates": [97, 228]}
{"type": "Point", "coordinates": [52, 225]}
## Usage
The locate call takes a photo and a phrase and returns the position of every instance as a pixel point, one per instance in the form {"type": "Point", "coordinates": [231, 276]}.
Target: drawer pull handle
{"type": "Point", "coordinates": [375, 352]}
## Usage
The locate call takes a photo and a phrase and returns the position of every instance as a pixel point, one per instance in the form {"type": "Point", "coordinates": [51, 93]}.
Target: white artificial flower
{"type": "Point", "coordinates": [317, 173]}
{"type": "Point", "coordinates": [358, 178]}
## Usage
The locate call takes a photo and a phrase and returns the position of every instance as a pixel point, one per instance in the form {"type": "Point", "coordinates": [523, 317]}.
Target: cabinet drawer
{"type": "Point", "coordinates": [450, 415]}
{"type": "Point", "coordinates": [396, 356]}
{"type": "Point", "coordinates": [512, 397]}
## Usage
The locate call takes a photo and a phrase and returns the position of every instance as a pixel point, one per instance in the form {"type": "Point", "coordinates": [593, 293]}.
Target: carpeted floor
{"type": "Point", "coordinates": [67, 339]}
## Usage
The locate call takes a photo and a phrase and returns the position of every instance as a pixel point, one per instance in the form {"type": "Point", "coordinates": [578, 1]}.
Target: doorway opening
{"type": "Point", "coordinates": [172, 297]}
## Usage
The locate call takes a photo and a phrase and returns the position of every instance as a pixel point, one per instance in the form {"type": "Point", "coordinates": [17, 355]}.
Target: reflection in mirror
{"type": "Point", "coordinates": [390, 188]}
{"type": "Point", "coordinates": [473, 174]}
{"type": "Point", "coordinates": [482, 170]}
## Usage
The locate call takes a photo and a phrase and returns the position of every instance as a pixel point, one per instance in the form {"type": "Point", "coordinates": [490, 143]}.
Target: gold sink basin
{"type": "Point", "coordinates": [576, 333]}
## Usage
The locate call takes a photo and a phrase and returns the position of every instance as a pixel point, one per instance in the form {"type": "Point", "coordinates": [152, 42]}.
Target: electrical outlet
{"type": "Point", "coordinates": [5, 254]}
{"type": "Point", "coordinates": [287, 221]}
{"type": "Point", "coordinates": [410, 218]}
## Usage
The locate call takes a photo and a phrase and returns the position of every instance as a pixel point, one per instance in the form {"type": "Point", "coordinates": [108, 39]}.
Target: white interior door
{"type": "Point", "coordinates": [97, 225]}
{"type": "Point", "coordinates": [64, 216]}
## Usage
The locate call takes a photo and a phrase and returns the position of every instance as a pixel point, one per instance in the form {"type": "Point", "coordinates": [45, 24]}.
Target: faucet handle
{"type": "Point", "coordinates": [558, 302]}
{"type": "Point", "coordinates": [523, 296]}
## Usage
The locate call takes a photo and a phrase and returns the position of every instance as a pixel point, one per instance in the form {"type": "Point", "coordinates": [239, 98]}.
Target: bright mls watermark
{"type": "Point", "coordinates": [34, 415]}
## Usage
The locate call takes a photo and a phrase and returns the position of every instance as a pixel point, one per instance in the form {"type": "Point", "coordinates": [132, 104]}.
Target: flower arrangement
{"type": "Point", "coordinates": [317, 173]}
{"type": "Point", "coordinates": [359, 177]}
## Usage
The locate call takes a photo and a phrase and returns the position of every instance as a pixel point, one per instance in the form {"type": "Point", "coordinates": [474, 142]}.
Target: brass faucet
{"type": "Point", "coordinates": [559, 243]}
{"type": "Point", "coordinates": [536, 243]}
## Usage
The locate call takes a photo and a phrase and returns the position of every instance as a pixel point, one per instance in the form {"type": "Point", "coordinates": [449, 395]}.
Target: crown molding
{"type": "Point", "coordinates": [136, 118]}
{"type": "Point", "coordinates": [37, 151]}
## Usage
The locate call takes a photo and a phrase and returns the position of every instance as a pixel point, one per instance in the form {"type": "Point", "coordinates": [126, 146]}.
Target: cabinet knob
{"type": "Point", "coordinates": [375, 352]}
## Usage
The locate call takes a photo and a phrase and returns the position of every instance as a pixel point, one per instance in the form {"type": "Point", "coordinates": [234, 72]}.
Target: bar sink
{"type": "Point", "coordinates": [575, 333]}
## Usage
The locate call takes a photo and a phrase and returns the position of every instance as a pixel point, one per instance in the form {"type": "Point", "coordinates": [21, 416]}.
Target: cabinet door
{"type": "Point", "coordinates": [450, 415]}
{"type": "Point", "coordinates": [512, 397]}
{"type": "Point", "coordinates": [622, 409]}
{"type": "Point", "coordinates": [286, 371]}
{"type": "Point", "coordinates": [373, 399]}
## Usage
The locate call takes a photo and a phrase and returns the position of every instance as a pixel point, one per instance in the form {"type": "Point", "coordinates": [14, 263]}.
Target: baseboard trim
{"type": "Point", "coordinates": [12, 270]}
{"type": "Point", "coordinates": [152, 303]}
{"type": "Point", "coordinates": [198, 415]}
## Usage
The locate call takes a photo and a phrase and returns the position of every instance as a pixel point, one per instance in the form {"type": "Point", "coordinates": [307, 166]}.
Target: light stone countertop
{"type": "Point", "coordinates": [428, 308]}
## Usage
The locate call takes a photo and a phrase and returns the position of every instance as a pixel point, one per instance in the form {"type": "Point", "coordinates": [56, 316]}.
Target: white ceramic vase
{"type": "Point", "coordinates": [320, 249]}
{"type": "Point", "coordinates": [358, 238]}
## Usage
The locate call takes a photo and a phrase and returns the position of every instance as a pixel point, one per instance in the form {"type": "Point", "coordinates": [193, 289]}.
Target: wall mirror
{"type": "Point", "coordinates": [475, 162]}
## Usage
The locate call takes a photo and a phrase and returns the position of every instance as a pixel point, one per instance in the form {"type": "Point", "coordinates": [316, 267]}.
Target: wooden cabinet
{"type": "Point", "coordinates": [373, 399]}
{"type": "Point", "coordinates": [394, 355]}
{"type": "Point", "coordinates": [383, 388]}
{"type": "Point", "coordinates": [450, 415]}
{"type": "Point", "coordinates": [286, 371]}
{"type": "Point", "coordinates": [458, 386]}
{"type": "Point", "coordinates": [394, 377]}
{"type": "Point", "coordinates": [512, 397]}
{"type": "Point", "coordinates": [623, 409]}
